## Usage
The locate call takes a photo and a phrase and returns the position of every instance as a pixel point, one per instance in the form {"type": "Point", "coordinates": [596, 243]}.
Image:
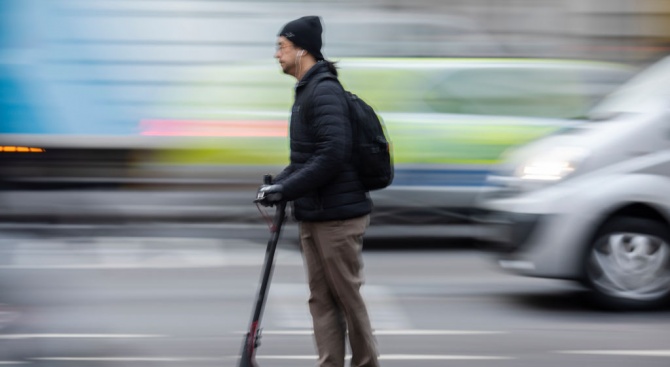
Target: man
{"type": "Point", "coordinates": [329, 201]}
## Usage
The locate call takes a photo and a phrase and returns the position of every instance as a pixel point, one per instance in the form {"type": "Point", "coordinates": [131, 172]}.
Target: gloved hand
{"type": "Point", "coordinates": [268, 195]}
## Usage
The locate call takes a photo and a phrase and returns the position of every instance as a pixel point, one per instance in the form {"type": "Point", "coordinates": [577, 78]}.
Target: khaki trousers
{"type": "Point", "coordinates": [332, 253]}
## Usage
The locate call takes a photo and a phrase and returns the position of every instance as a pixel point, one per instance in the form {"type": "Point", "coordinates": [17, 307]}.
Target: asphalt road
{"type": "Point", "coordinates": [169, 300]}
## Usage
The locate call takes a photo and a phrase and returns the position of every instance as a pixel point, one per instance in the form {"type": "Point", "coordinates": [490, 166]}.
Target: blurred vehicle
{"type": "Point", "coordinates": [590, 203]}
{"type": "Point", "coordinates": [223, 126]}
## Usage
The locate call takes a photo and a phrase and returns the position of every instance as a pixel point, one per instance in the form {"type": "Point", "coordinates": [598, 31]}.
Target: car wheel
{"type": "Point", "coordinates": [628, 264]}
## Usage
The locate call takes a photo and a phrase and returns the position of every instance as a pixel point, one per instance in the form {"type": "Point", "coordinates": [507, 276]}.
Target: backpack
{"type": "Point", "coordinates": [372, 155]}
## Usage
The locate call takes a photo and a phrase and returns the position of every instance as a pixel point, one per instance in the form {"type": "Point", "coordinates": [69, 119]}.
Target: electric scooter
{"type": "Point", "coordinates": [252, 339]}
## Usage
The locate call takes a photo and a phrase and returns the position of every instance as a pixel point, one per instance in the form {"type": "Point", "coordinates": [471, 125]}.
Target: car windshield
{"type": "Point", "coordinates": [646, 92]}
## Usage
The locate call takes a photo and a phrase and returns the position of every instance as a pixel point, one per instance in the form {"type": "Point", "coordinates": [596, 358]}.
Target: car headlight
{"type": "Point", "coordinates": [552, 165]}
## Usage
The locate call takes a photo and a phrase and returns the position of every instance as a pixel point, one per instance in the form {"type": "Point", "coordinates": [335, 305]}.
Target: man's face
{"type": "Point", "coordinates": [286, 54]}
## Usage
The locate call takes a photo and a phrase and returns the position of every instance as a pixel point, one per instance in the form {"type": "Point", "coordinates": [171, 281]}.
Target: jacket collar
{"type": "Point", "coordinates": [318, 68]}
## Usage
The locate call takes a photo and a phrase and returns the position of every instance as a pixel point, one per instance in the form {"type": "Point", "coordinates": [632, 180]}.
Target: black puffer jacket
{"type": "Point", "coordinates": [321, 180]}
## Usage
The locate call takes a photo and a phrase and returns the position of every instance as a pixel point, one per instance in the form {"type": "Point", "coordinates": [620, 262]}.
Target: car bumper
{"type": "Point", "coordinates": [540, 243]}
{"type": "Point", "coordinates": [508, 232]}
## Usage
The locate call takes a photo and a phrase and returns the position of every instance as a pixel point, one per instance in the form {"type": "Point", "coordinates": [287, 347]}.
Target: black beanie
{"type": "Point", "coordinates": [305, 33]}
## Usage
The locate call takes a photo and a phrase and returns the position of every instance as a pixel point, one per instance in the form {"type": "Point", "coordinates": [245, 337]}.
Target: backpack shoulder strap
{"type": "Point", "coordinates": [311, 85]}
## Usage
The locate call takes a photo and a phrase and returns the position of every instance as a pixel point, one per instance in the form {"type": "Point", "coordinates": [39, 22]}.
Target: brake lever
{"type": "Point", "coordinates": [260, 195]}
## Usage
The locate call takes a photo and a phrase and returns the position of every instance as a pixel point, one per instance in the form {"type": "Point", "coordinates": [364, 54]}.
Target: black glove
{"type": "Point", "coordinates": [268, 195]}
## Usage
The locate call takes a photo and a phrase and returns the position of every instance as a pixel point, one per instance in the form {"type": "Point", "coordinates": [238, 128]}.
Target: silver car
{"type": "Point", "coordinates": [591, 202]}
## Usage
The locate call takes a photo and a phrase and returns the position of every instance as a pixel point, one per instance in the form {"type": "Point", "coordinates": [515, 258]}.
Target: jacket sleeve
{"type": "Point", "coordinates": [283, 174]}
{"type": "Point", "coordinates": [331, 130]}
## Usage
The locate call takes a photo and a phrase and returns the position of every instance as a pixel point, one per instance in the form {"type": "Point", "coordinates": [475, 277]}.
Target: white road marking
{"type": "Point", "coordinates": [79, 336]}
{"type": "Point", "coordinates": [170, 265]}
{"type": "Point", "coordinates": [391, 332]}
{"type": "Point", "coordinates": [394, 357]}
{"type": "Point", "coordinates": [127, 359]}
{"type": "Point", "coordinates": [436, 332]}
{"type": "Point", "coordinates": [383, 357]}
{"type": "Point", "coordinates": [637, 353]}
{"type": "Point", "coordinates": [431, 357]}
{"type": "Point", "coordinates": [305, 332]}
{"type": "Point", "coordinates": [137, 253]}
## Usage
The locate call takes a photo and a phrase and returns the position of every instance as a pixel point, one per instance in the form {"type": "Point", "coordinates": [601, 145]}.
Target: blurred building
{"type": "Point", "coordinates": [218, 31]}
{"type": "Point", "coordinates": [616, 30]}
